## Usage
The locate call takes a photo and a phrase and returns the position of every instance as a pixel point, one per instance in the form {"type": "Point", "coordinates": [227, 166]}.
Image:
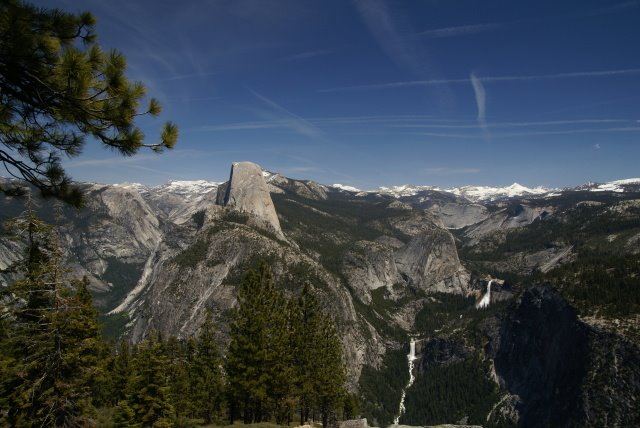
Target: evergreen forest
{"type": "Point", "coordinates": [284, 362]}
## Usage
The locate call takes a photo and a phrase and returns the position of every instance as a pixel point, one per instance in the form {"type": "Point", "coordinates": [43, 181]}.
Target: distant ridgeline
{"type": "Point", "coordinates": [500, 287]}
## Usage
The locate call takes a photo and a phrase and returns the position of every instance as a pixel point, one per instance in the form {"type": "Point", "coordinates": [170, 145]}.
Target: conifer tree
{"type": "Point", "coordinates": [279, 359]}
{"type": "Point", "coordinates": [52, 336]}
{"type": "Point", "coordinates": [207, 381]}
{"type": "Point", "coordinates": [245, 363]}
{"type": "Point", "coordinates": [306, 327]}
{"type": "Point", "coordinates": [120, 370]}
{"type": "Point", "coordinates": [180, 357]}
{"type": "Point", "coordinates": [124, 416]}
{"type": "Point", "coordinates": [57, 86]}
{"type": "Point", "coordinates": [284, 354]}
{"type": "Point", "coordinates": [148, 392]}
{"type": "Point", "coordinates": [257, 369]}
{"type": "Point", "coordinates": [330, 372]}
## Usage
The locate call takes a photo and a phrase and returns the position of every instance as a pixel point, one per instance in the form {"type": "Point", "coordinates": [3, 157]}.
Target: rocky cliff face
{"type": "Point", "coordinates": [456, 215]}
{"type": "Point", "coordinates": [430, 261]}
{"type": "Point", "coordinates": [559, 371]}
{"type": "Point", "coordinates": [369, 266]}
{"type": "Point", "coordinates": [247, 192]}
{"type": "Point", "coordinates": [540, 356]}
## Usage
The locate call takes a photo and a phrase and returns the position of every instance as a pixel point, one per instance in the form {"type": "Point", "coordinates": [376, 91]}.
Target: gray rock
{"type": "Point", "coordinates": [457, 215]}
{"type": "Point", "coordinates": [369, 266]}
{"type": "Point", "coordinates": [354, 423]}
{"type": "Point", "coordinates": [430, 262]}
{"type": "Point", "coordinates": [507, 218]}
{"type": "Point", "coordinates": [247, 192]}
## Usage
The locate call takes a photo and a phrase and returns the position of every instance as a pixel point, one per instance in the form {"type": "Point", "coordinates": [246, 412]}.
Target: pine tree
{"type": "Point", "coordinates": [57, 86]}
{"type": "Point", "coordinates": [148, 392]}
{"type": "Point", "coordinates": [246, 355]}
{"type": "Point", "coordinates": [320, 372]}
{"type": "Point", "coordinates": [124, 416]}
{"type": "Point", "coordinates": [180, 357]}
{"type": "Point", "coordinates": [283, 354]}
{"type": "Point", "coordinates": [51, 337]}
{"type": "Point", "coordinates": [307, 318]}
{"type": "Point", "coordinates": [258, 352]}
{"type": "Point", "coordinates": [330, 372]}
{"type": "Point", "coordinates": [279, 368]}
{"type": "Point", "coordinates": [207, 381]}
{"type": "Point", "coordinates": [120, 371]}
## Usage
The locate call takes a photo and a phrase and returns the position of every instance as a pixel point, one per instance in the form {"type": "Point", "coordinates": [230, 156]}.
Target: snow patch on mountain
{"type": "Point", "coordinates": [140, 188]}
{"type": "Point", "coordinates": [187, 187]}
{"type": "Point", "coordinates": [404, 190]}
{"type": "Point", "coordinates": [347, 188]}
{"type": "Point", "coordinates": [483, 193]}
{"type": "Point", "coordinates": [614, 186]}
{"type": "Point", "coordinates": [472, 193]}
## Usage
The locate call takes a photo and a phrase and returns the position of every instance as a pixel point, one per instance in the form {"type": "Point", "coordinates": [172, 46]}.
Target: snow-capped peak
{"type": "Point", "coordinates": [478, 193]}
{"type": "Point", "coordinates": [347, 188]}
{"type": "Point", "coordinates": [626, 181]}
{"type": "Point", "coordinates": [184, 187]}
{"type": "Point", "coordinates": [134, 186]}
{"type": "Point", "coordinates": [404, 190]}
{"type": "Point", "coordinates": [612, 186]}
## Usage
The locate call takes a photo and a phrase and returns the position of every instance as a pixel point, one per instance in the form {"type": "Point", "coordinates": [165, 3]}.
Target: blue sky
{"type": "Point", "coordinates": [380, 92]}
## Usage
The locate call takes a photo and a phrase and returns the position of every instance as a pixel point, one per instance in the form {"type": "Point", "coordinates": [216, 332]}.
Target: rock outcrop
{"type": "Point", "coordinates": [511, 217]}
{"type": "Point", "coordinates": [247, 192]}
{"type": "Point", "coordinates": [541, 356]}
{"type": "Point", "coordinates": [369, 266]}
{"type": "Point", "coordinates": [559, 371]}
{"type": "Point", "coordinates": [457, 215]}
{"type": "Point", "coordinates": [430, 262]}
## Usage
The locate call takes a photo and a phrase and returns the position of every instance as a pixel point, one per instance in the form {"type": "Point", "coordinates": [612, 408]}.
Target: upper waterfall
{"type": "Point", "coordinates": [486, 299]}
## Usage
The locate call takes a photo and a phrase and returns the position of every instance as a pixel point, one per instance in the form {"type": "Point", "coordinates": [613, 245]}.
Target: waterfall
{"type": "Point", "coordinates": [411, 358]}
{"type": "Point", "coordinates": [486, 299]}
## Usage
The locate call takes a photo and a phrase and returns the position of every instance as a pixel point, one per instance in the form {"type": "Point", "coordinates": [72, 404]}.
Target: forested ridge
{"type": "Point", "coordinates": [284, 360]}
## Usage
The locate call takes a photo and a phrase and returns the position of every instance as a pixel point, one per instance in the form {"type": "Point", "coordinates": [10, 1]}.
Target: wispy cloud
{"type": "Point", "coordinates": [275, 116]}
{"type": "Point", "coordinates": [383, 26]}
{"type": "Point", "coordinates": [570, 131]}
{"type": "Point", "coordinates": [186, 76]}
{"type": "Point", "coordinates": [112, 161]}
{"type": "Point", "coordinates": [388, 119]}
{"type": "Point", "coordinates": [245, 126]}
{"type": "Point", "coordinates": [446, 171]}
{"type": "Point", "coordinates": [307, 55]}
{"type": "Point", "coordinates": [289, 119]}
{"type": "Point", "coordinates": [511, 124]}
{"type": "Point", "coordinates": [462, 30]}
{"type": "Point", "coordinates": [395, 36]}
{"type": "Point", "coordinates": [447, 135]}
{"type": "Point", "coordinates": [481, 101]}
{"type": "Point", "coordinates": [487, 79]}
{"type": "Point", "coordinates": [139, 162]}
{"type": "Point", "coordinates": [408, 121]}
{"type": "Point", "coordinates": [416, 122]}
{"type": "Point", "coordinates": [596, 147]}
{"type": "Point", "coordinates": [500, 130]}
{"type": "Point", "coordinates": [616, 7]}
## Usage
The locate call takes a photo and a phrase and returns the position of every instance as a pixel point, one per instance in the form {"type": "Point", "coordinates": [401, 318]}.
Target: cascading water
{"type": "Point", "coordinates": [486, 299]}
{"type": "Point", "coordinates": [411, 357]}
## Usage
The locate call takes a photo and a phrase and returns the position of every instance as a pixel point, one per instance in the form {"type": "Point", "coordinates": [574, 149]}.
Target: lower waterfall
{"type": "Point", "coordinates": [411, 358]}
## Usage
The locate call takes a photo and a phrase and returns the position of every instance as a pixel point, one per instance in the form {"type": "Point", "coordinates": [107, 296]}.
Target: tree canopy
{"type": "Point", "coordinates": [58, 87]}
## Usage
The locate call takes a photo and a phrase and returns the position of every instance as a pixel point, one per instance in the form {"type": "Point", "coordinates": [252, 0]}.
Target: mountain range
{"type": "Point", "coordinates": [558, 343]}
